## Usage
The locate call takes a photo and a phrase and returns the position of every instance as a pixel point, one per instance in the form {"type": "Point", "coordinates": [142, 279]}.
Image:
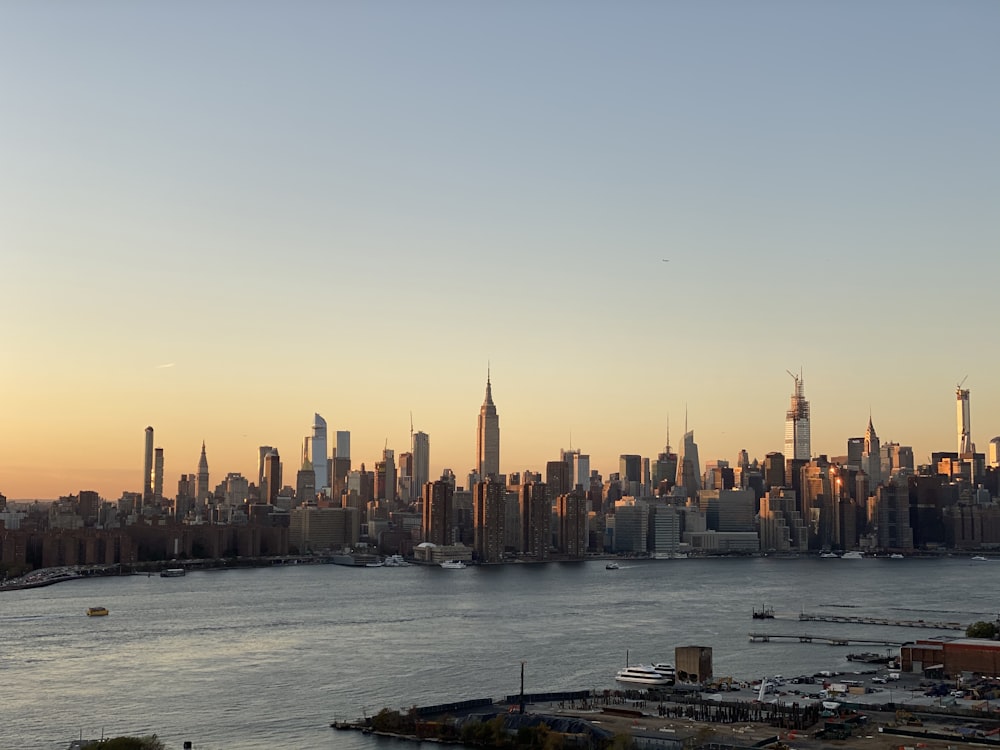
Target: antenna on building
{"type": "Point", "coordinates": [961, 382]}
{"type": "Point", "coordinates": [411, 428]}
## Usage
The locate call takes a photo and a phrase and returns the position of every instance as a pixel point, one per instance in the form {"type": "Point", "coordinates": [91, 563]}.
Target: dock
{"type": "Point", "coordinates": [829, 639]}
{"type": "Point", "coordinates": [862, 620]}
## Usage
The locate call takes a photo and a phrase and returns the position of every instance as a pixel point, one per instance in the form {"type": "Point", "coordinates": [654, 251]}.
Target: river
{"type": "Point", "coordinates": [263, 658]}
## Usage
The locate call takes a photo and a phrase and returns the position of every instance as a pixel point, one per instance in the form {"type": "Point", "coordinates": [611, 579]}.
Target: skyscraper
{"type": "Point", "coordinates": [421, 448]}
{"type": "Point", "coordinates": [262, 452]}
{"type": "Point", "coordinates": [872, 456]}
{"type": "Point", "coordinates": [158, 475]}
{"type": "Point", "coordinates": [271, 483]}
{"type": "Point", "coordinates": [147, 468]}
{"type": "Point", "coordinates": [202, 476]}
{"type": "Point", "coordinates": [436, 520]}
{"type": "Point", "coordinates": [797, 442]}
{"type": "Point", "coordinates": [319, 455]}
{"type": "Point", "coordinates": [688, 468]}
{"type": "Point", "coordinates": [488, 520]}
{"type": "Point", "coordinates": [965, 445]}
{"type": "Point", "coordinates": [488, 436]}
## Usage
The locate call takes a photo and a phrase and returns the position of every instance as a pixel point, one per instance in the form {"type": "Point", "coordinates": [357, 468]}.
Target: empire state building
{"type": "Point", "coordinates": [488, 437]}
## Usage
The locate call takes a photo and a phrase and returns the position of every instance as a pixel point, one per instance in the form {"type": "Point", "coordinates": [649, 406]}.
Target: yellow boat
{"type": "Point", "coordinates": [96, 611]}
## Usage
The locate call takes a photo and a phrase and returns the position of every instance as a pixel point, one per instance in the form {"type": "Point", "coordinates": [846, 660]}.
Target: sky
{"type": "Point", "coordinates": [220, 217]}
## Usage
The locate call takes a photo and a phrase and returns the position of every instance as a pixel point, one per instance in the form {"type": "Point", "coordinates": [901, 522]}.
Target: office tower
{"type": "Point", "coordinates": [797, 442]}
{"type": "Point", "coordinates": [271, 482]}
{"type": "Point", "coordinates": [774, 470]}
{"type": "Point", "coordinates": [147, 468]}
{"type": "Point", "coordinates": [965, 445]}
{"type": "Point", "coordinates": [158, 475]}
{"type": "Point", "coordinates": [536, 520]}
{"type": "Point", "coordinates": [579, 468]}
{"type": "Point", "coordinates": [688, 477]}
{"type": "Point", "coordinates": [319, 453]}
{"type": "Point", "coordinates": [436, 516]}
{"type": "Point", "coordinates": [872, 456]}
{"type": "Point", "coordinates": [856, 452]}
{"type": "Point", "coordinates": [488, 517]}
{"type": "Point", "coordinates": [421, 447]}
{"type": "Point", "coordinates": [262, 452]}
{"type": "Point", "coordinates": [629, 470]}
{"type": "Point", "coordinates": [994, 453]}
{"type": "Point", "coordinates": [344, 444]}
{"type": "Point", "coordinates": [631, 524]}
{"type": "Point", "coordinates": [488, 436]}
{"type": "Point", "coordinates": [236, 490]}
{"type": "Point", "coordinates": [305, 481]}
{"type": "Point", "coordinates": [571, 509]}
{"type": "Point", "coordinates": [202, 496]}
{"type": "Point", "coordinates": [385, 476]}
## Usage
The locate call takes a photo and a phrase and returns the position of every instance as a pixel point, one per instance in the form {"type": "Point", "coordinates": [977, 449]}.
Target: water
{"type": "Point", "coordinates": [269, 657]}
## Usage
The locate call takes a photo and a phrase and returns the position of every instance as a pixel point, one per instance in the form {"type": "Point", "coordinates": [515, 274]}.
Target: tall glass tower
{"type": "Point", "coordinates": [319, 455]}
{"type": "Point", "coordinates": [797, 442]}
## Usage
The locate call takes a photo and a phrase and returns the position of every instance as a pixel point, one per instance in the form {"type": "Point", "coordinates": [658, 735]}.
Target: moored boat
{"type": "Point", "coordinates": [642, 674]}
{"type": "Point", "coordinates": [173, 573]}
{"type": "Point", "coordinates": [453, 565]}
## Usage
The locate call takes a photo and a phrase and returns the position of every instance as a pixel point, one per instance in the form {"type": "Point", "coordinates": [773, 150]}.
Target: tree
{"type": "Point", "coordinates": [981, 629]}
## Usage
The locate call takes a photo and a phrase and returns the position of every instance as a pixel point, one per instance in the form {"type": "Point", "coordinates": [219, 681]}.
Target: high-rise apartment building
{"type": "Point", "coordinates": [994, 453]}
{"type": "Point", "coordinates": [536, 520]}
{"type": "Point", "coordinates": [488, 437]}
{"type": "Point", "coordinates": [158, 475]}
{"type": "Point", "coordinates": [319, 453]}
{"type": "Point", "coordinates": [572, 512]}
{"type": "Point", "coordinates": [488, 519]}
{"type": "Point", "coordinates": [797, 441]}
{"type": "Point", "coordinates": [147, 468]}
{"type": "Point", "coordinates": [421, 447]}
{"type": "Point", "coordinates": [436, 517]}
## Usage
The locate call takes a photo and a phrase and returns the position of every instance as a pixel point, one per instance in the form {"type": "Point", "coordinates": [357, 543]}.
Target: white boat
{"type": "Point", "coordinates": [395, 561]}
{"type": "Point", "coordinates": [978, 558]}
{"type": "Point", "coordinates": [895, 556]}
{"type": "Point", "coordinates": [612, 566]}
{"type": "Point", "coordinates": [642, 674]}
{"type": "Point", "coordinates": [375, 564]}
{"type": "Point", "coordinates": [852, 555]}
{"type": "Point", "coordinates": [667, 670]}
{"type": "Point", "coordinates": [172, 573]}
{"type": "Point", "coordinates": [828, 554]}
{"type": "Point", "coordinates": [453, 565]}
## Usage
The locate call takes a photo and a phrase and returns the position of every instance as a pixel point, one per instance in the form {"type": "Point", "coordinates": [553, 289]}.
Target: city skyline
{"type": "Point", "coordinates": [605, 463]}
{"type": "Point", "coordinates": [353, 210]}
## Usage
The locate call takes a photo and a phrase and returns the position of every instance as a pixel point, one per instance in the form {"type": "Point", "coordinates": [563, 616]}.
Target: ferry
{"type": "Point", "coordinates": [642, 675]}
{"type": "Point", "coordinates": [667, 670]}
{"type": "Point", "coordinates": [453, 565]}
{"type": "Point", "coordinates": [97, 611]}
{"type": "Point", "coordinates": [852, 555]}
{"type": "Point", "coordinates": [395, 561]}
{"type": "Point", "coordinates": [172, 573]}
